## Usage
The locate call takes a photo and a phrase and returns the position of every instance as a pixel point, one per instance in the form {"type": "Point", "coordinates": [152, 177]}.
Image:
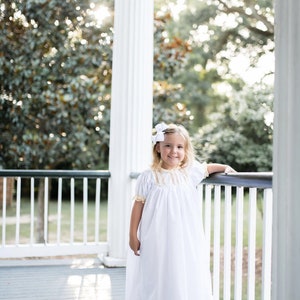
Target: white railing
{"type": "Point", "coordinates": [241, 225]}
{"type": "Point", "coordinates": [237, 217]}
{"type": "Point", "coordinates": [75, 230]}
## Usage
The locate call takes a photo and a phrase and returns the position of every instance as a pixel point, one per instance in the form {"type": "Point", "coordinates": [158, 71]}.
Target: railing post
{"type": "Point", "coordinates": [4, 211]}
{"type": "Point", "coordinates": [227, 243]}
{"type": "Point", "coordinates": [267, 245]}
{"type": "Point", "coordinates": [252, 242]}
{"type": "Point", "coordinates": [131, 115]}
{"type": "Point", "coordinates": [217, 241]}
{"type": "Point", "coordinates": [238, 284]}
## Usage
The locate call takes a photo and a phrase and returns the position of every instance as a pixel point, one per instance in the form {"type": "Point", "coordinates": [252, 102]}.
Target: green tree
{"type": "Point", "coordinates": [240, 133]}
{"type": "Point", "coordinates": [55, 80]}
{"type": "Point", "coordinates": [169, 59]}
{"type": "Point", "coordinates": [217, 32]}
{"type": "Point", "coordinates": [55, 74]}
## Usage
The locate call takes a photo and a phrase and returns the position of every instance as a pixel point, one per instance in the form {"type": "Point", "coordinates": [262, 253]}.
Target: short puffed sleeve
{"type": "Point", "coordinates": [143, 185]}
{"type": "Point", "coordinates": [198, 172]}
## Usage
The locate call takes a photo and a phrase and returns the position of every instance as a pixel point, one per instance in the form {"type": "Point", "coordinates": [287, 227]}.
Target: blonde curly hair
{"type": "Point", "coordinates": [188, 147]}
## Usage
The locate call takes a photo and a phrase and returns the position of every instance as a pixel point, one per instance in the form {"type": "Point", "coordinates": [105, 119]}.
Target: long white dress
{"type": "Point", "coordinates": [174, 255]}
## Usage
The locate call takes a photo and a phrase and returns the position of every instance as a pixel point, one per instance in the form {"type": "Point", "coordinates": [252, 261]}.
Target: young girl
{"type": "Point", "coordinates": [170, 256]}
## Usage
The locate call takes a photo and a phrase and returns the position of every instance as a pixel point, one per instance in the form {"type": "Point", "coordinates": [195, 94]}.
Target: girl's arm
{"type": "Point", "coordinates": [136, 215]}
{"type": "Point", "coordinates": [219, 168]}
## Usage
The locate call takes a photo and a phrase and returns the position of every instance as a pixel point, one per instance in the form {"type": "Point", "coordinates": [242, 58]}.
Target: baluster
{"type": "Point", "coordinates": [59, 202]}
{"type": "Point", "coordinates": [4, 211]}
{"type": "Point", "coordinates": [227, 243]}
{"type": "Point", "coordinates": [46, 209]}
{"type": "Point", "coordinates": [32, 240]}
{"type": "Point", "coordinates": [72, 217]}
{"type": "Point", "coordinates": [18, 208]}
{"type": "Point", "coordinates": [97, 209]}
{"type": "Point", "coordinates": [267, 245]}
{"type": "Point", "coordinates": [252, 242]}
{"type": "Point", "coordinates": [207, 222]}
{"type": "Point", "coordinates": [239, 244]}
{"type": "Point", "coordinates": [85, 209]}
{"type": "Point", "coordinates": [217, 227]}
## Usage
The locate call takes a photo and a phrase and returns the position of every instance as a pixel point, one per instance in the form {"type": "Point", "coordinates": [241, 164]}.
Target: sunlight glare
{"type": "Point", "coordinates": [90, 286]}
{"type": "Point", "coordinates": [226, 21]}
{"type": "Point", "coordinates": [177, 8]}
{"type": "Point", "coordinates": [101, 13]}
{"type": "Point", "coordinates": [241, 65]}
{"type": "Point", "coordinates": [223, 88]}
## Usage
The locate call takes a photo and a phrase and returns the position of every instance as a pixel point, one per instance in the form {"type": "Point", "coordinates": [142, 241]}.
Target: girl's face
{"type": "Point", "coordinates": [172, 150]}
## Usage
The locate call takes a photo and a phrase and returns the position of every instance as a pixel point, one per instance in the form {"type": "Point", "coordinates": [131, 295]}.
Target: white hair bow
{"type": "Point", "coordinates": [159, 136]}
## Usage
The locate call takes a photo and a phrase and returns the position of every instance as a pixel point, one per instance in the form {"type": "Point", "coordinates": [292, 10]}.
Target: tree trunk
{"type": "Point", "coordinates": [41, 210]}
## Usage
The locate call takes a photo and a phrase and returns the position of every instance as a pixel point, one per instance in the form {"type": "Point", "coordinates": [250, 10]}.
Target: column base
{"type": "Point", "coordinates": [112, 262]}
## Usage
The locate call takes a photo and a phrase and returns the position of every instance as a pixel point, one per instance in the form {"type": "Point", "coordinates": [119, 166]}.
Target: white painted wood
{"type": "Point", "coordinates": [286, 158]}
{"type": "Point", "coordinates": [46, 193]}
{"type": "Point", "coordinates": [59, 201]}
{"type": "Point", "coordinates": [97, 209]}
{"type": "Point", "coordinates": [238, 284]}
{"type": "Point", "coordinates": [56, 247]}
{"type": "Point", "coordinates": [85, 209]}
{"type": "Point", "coordinates": [72, 216]}
{"type": "Point", "coordinates": [227, 244]}
{"type": "Point", "coordinates": [42, 250]}
{"type": "Point", "coordinates": [251, 243]}
{"type": "Point", "coordinates": [216, 255]}
{"type": "Point", "coordinates": [32, 219]}
{"type": "Point", "coordinates": [131, 113]}
{"type": "Point", "coordinates": [4, 212]}
{"type": "Point", "coordinates": [267, 245]}
{"type": "Point", "coordinates": [18, 207]}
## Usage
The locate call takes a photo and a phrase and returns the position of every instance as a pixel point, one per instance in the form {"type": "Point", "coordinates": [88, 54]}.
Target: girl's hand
{"type": "Point", "coordinates": [135, 244]}
{"type": "Point", "coordinates": [228, 169]}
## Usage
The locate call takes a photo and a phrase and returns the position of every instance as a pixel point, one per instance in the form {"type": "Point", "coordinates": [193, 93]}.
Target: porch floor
{"type": "Point", "coordinates": [60, 279]}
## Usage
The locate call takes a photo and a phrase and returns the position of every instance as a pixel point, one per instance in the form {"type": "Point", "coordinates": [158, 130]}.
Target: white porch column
{"type": "Point", "coordinates": [286, 230]}
{"type": "Point", "coordinates": [131, 115]}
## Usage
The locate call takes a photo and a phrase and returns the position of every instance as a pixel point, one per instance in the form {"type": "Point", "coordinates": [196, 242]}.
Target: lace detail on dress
{"type": "Point", "coordinates": [139, 199]}
{"type": "Point", "coordinates": [173, 177]}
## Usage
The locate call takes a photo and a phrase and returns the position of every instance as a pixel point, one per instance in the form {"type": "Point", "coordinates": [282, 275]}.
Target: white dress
{"type": "Point", "coordinates": [174, 255]}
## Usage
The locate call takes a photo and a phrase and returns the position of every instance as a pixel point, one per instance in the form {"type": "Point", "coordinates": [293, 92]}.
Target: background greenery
{"type": "Point", "coordinates": [55, 80]}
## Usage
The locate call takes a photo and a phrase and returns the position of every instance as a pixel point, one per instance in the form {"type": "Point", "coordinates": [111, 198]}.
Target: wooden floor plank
{"type": "Point", "coordinates": [80, 281]}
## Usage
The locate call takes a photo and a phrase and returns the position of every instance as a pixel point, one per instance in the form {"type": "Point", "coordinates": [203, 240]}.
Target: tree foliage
{"type": "Point", "coordinates": [55, 70]}
{"type": "Point", "coordinates": [55, 81]}
{"type": "Point", "coordinates": [240, 133]}
{"type": "Point", "coordinates": [219, 32]}
{"type": "Point", "coordinates": [55, 75]}
{"type": "Point", "coordinates": [169, 59]}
